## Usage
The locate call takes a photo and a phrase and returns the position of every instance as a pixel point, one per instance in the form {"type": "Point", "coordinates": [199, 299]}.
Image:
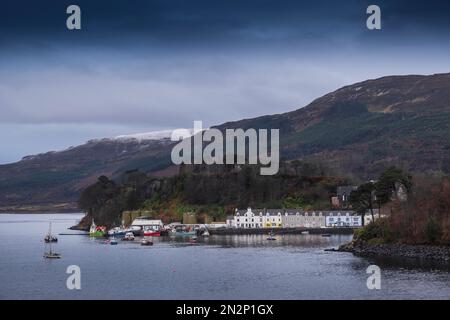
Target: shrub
{"type": "Point", "coordinates": [433, 230]}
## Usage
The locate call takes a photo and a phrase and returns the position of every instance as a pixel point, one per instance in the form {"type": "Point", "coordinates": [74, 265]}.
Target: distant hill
{"type": "Point", "coordinates": [357, 131]}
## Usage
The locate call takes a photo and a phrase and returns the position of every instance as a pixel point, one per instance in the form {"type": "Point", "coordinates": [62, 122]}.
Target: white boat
{"type": "Point", "coordinates": [117, 232]}
{"type": "Point", "coordinates": [205, 233]}
{"type": "Point", "coordinates": [52, 255]}
{"type": "Point", "coordinates": [129, 236]}
{"type": "Point", "coordinates": [146, 242]}
{"type": "Point", "coordinates": [305, 232]}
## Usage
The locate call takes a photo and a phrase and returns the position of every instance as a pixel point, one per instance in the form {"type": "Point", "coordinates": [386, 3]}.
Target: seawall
{"type": "Point", "coordinates": [239, 231]}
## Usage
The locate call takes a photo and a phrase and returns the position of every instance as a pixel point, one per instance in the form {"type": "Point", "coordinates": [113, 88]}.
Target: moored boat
{"type": "Point", "coordinates": [50, 254]}
{"type": "Point", "coordinates": [129, 236]}
{"type": "Point", "coordinates": [152, 232]}
{"type": "Point", "coordinates": [146, 242]}
{"type": "Point", "coordinates": [117, 232]}
{"type": "Point", "coordinates": [271, 236]}
{"type": "Point", "coordinates": [183, 231]}
{"type": "Point", "coordinates": [49, 237]}
{"type": "Point", "coordinates": [97, 231]}
{"type": "Point", "coordinates": [193, 240]}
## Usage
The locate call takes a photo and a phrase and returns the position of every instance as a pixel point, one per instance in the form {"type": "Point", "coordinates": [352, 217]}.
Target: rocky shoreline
{"type": "Point", "coordinates": [423, 252]}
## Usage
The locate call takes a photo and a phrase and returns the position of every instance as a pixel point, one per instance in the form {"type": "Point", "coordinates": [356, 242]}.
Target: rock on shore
{"type": "Point", "coordinates": [428, 252]}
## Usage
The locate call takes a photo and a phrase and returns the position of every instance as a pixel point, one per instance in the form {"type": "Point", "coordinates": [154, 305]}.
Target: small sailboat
{"type": "Point", "coordinates": [49, 237]}
{"type": "Point", "coordinates": [50, 254]}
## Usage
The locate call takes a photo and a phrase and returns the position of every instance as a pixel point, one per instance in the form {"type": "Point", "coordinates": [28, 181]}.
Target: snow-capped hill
{"type": "Point", "coordinates": [153, 135]}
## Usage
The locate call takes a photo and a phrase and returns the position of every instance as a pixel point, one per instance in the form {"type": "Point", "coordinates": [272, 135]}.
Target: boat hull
{"type": "Point", "coordinates": [185, 234]}
{"type": "Point", "coordinates": [118, 234]}
{"type": "Point", "coordinates": [97, 234]}
{"type": "Point", "coordinates": [152, 233]}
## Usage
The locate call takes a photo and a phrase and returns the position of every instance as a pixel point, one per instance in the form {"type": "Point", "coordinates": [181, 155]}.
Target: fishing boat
{"type": "Point", "coordinates": [117, 232]}
{"type": "Point", "coordinates": [129, 236]}
{"type": "Point", "coordinates": [183, 231]}
{"type": "Point", "coordinates": [152, 232]}
{"type": "Point", "coordinates": [97, 231]}
{"type": "Point", "coordinates": [146, 242]}
{"type": "Point", "coordinates": [49, 237]}
{"type": "Point", "coordinates": [136, 230]}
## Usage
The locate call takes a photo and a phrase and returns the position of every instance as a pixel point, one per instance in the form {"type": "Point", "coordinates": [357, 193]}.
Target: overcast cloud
{"type": "Point", "coordinates": [151, 65]}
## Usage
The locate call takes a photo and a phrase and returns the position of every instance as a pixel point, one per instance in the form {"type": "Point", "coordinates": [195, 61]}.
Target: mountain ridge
{"type": "Point", "coordinates": [356, 130]}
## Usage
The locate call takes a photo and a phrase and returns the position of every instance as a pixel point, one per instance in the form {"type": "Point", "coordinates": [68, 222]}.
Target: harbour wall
{"type": "Point", "coordinates": [239, 231]}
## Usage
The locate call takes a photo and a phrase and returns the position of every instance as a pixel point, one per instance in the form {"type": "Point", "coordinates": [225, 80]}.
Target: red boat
{"type": "Point", "coordinates": [152, 233]}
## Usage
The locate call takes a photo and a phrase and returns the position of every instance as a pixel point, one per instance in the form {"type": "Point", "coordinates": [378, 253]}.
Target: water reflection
{"type": "Point", "coordinates": [236, 241]}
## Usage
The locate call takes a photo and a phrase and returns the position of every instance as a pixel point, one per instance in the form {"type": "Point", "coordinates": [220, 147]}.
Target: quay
{"type": "Point", "coordinates": [248, 231]}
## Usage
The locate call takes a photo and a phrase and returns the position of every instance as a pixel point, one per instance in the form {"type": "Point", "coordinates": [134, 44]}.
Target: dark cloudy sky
{"type": "Point", "coordinates": [139, 65]}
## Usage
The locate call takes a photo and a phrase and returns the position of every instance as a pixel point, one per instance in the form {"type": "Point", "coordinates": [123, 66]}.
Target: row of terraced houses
{"type": "Point", "coordinates": [289, 218]}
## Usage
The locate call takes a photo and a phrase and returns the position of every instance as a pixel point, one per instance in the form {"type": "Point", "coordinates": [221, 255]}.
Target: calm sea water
{"type": "Point", "coordinates": [221, 267]}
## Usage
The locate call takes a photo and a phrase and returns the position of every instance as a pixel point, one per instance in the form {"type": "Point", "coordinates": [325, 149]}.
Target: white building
{"type": "Point", "coordinates": [303, 219]}
{"type": "Point", "coordinates": [147, 222]}
{"type": "Point", "coordinates": [376, 215]}
{"type": "Point", "coordinates": [342, 219]}
{"type": "Point", "coordinates": [259, 218]}
{"type": "Point", "coordinates": [231, 222]}
{"type": "Point", "coordinates": [291, 218]}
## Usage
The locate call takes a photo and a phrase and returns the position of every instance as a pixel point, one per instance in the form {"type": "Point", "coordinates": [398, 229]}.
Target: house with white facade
{"type": "Point", "coordinates": [303, 219]}
{"type": "Point", "coordinates": [257, 218]}
{"type": "Point", "coordinates": [342, 219]}
{"type": "Point", "coordinates": [291, 218]}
